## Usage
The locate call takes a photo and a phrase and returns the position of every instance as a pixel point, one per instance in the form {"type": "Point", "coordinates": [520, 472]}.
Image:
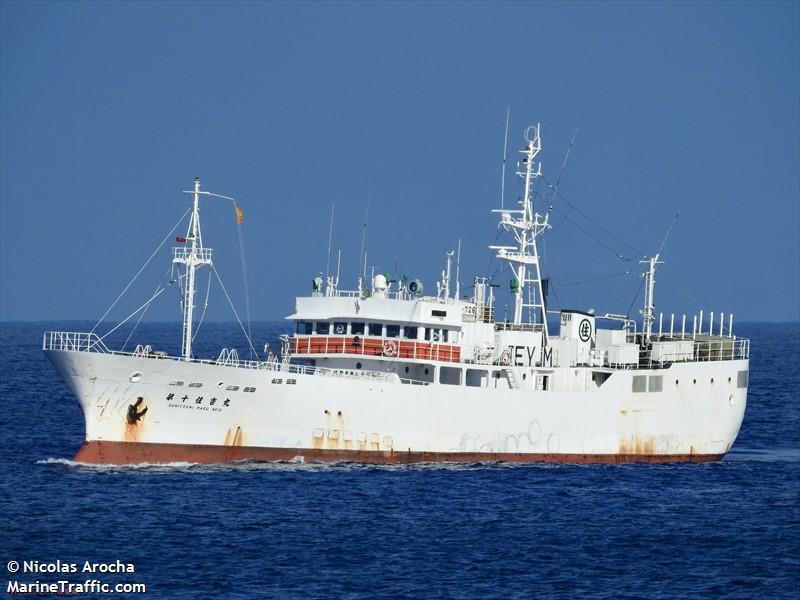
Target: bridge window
{"type": "Point", "coordinates": [305, 327]}
{"type": "Point", "coordinates": [357, 328]}
{"type": "Point", "coordinates": [323, 328]}
{"type": "Point", "coordinates": [411, 333]}
{"type": "Point", "coordinates": [376, 329]}
{"type": "Point", "coordinates": [340, 328]}
{"type": "Point", "coordinates": [393, 331]}
{"type": "Point", "coordinates": [433, 335]}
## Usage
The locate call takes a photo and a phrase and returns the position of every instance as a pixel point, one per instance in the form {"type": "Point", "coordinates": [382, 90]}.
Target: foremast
{"type": "Point", "coordinates": [192, 256]}
{"type": "Point", "coordinates": [526, 226]}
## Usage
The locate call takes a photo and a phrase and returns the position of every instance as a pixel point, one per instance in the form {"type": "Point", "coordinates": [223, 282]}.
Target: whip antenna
{"type": "Point", "coordinates": [503, 171]}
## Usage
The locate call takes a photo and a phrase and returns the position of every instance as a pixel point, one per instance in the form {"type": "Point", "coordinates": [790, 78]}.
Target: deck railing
{"type": "Point", "coordinates": [73, 341]}
{"type": "Point", "coordinates": [90, 342]}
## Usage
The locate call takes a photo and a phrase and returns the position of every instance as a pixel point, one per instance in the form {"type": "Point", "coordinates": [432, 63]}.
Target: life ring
{"type": "Point", "coordinates": [505, 358]}
{"type": "Point", "coordinates": [389, 348]}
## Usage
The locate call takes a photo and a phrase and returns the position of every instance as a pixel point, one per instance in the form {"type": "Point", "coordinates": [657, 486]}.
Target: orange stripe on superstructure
{"type": "Point", "coordinates": [370, 346]}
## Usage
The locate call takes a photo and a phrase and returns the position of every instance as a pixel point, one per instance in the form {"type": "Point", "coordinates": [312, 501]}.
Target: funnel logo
{"type": "Point", "coordinates": [585, 330]}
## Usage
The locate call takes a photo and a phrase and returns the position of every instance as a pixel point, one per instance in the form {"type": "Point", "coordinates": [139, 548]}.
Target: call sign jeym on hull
{"type": "Point", "coordinates": [387, 374]}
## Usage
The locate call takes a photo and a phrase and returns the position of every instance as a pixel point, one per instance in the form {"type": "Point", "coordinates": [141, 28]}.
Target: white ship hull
{"type": "Point", "coordinates": [695, 417]}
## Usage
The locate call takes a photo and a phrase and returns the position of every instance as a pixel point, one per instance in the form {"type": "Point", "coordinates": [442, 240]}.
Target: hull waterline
{"type": "Point", "coordinates": [126, 453]}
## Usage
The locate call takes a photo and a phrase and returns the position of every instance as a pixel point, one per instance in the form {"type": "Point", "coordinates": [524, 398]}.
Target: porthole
{"type": "Point", "coordinates": [694, 381]}
{"type": "Point", "coordinates": [712, 381]}
{"type": "Point", "coordinates": [358, 365]}
{"type": "Point", "coordinates": [135, 376]}
{"type": "Point", "coordinates": [524, 376]}
{"type": "Point", "coordinates": [729, 379]}
{"type": "Point", "coordinates": [676, 382]}
{"type": "Point", "coordinates": [731, 401]}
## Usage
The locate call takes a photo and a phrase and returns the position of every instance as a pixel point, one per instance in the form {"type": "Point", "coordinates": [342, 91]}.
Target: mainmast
{"type": "Point", "coordinates": [193, 256]}
{"type": "Point", "coordinates": [527, 226]}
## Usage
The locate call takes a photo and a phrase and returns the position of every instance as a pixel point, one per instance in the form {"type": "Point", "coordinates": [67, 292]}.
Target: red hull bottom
{"type": "Point", "coordinates": [126, 453]}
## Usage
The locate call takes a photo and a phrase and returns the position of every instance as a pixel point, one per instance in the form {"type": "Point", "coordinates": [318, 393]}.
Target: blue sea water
{"type": "Point", "coordinates": [296, 530]}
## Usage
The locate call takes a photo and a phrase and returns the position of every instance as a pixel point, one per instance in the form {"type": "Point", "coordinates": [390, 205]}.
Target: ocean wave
{"type": "Point", "coordinates": [763, 455]}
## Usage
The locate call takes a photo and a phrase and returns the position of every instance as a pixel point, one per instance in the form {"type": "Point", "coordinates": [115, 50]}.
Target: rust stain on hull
{"type": "Point", "coordinates": [637, 446]}
{"type": "Point", "coordinates": [121, 453]}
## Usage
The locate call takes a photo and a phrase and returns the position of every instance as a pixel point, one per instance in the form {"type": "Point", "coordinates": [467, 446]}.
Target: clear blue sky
{"type": "Point", "coordinates": [110, 109]}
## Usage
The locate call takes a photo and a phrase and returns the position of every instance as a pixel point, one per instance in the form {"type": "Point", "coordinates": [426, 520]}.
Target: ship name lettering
{"type": "Point", "coordinates": [199, 400]}
{"type": "Point", "coordinates": [520, 352]}
{"type": "Point", "coordinates": [547, 357]}
{"type": "Point", "coordinates": [170, 396]}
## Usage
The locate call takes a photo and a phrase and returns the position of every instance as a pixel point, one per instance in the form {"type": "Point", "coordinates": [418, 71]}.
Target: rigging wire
{"type": "Point", "coordinates": [666, 235]}
{"type": "Point", "coordinates": [558, 181]}
{"type": "Point", "coordinates": [604, 278]}
{"type": "Point", "coordinates": [233, 308]}
{"type": "Point", "coordinates": [139, 272]}
{"type": "Point", "coordinates": [590, 219]}
{"type": "Point", "coordinates": [145, 305]}
{"type": "Point", "coordinates": [566, 156]}
{"type": "Point", "coordinates": [596, 239]}
{"type": "Point", "coordinates": [139, 320]}
{"type": "Point", "coordinates": [205, 306]}
{"type": "Point", "coordinates": [244, 271]}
